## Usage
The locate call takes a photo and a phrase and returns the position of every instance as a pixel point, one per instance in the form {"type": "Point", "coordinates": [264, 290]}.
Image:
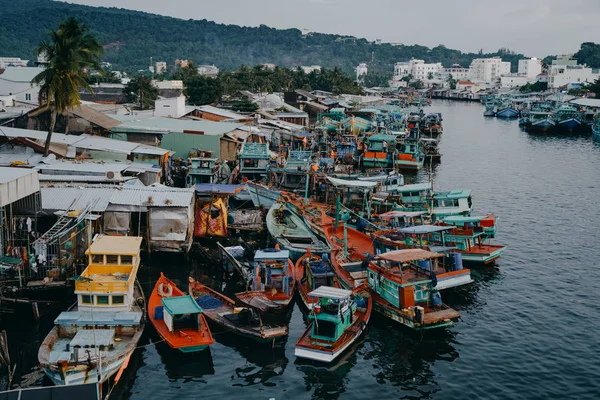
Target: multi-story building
{"type": "Point", "coordinates": [457, 71]}
{"type": "Point", "coordinates": [210, 71]}
{"type": "Point", "coordinates": [565, 71]}
{"type": "Point", "coordinates": [361, 70]}
{"type": "Point", "coordinates": [12, 62]}
{"type": "Point", "coordinates": [530, 68]}
{"type": "Point", "coordinates": [160, 67]}
{"type": "Point", "coordinates": [488, 70]}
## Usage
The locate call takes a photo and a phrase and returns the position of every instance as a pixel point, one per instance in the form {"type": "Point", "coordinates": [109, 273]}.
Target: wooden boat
{"type": "Point", "coordinates": [471, 240]}
{"type": "Point", "coordinates": [338, 319]}
{"type": "Point", "coordinates": [221, 310]}
{"type": "Point", "coordinates": [96, 337]}
{"type": "Point", "coordinates": [404, 293]}
{"type": "Point", "coordinates": [291, 233]}
{"type": "Point", "coordinates": [178, 318]}
{"type": "Point", "coordinates": [317, 272]}
{"type": "Point", "coordinates": [273, 280]}
{"type": "Point", "coordinates": [431, 150]}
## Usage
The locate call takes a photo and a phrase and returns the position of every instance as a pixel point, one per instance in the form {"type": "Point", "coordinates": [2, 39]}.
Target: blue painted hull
{"type": "Point", "coordinates": [507, 113]}
{"type": "Point", "coordinates": [570, 124]}
{"type": "Point", "coordinates": [596, 131]}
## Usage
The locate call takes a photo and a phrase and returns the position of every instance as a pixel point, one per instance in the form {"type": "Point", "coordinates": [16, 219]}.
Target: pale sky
{"type": "Point", "coordinates": [534, 27]}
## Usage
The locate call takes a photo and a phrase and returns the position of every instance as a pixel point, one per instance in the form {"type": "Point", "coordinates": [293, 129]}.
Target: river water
{"type": "Point", "coordinates": [530, 326]}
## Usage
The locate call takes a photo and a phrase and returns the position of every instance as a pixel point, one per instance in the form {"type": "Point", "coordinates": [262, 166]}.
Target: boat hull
{"type": "Point", "coordinates": [382, 307]}
{"type": "Point", "coordinates": [484, 256]}
{"type": "Point", "coordinates": [570, 124]}
{"type": "Point", "coordinates": [453, 279]}
{"type": "Point", "coordinates": [507, 113]}
{"type": "Point", "coordinates": [262, 196]}
{"type": "Point", "coordinates": [323, 356]}
{"type": "Point", "coordinates": [81, 374]}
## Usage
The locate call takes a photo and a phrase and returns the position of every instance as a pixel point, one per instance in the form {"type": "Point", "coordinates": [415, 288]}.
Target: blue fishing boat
{"type": "Point", "coordinates": [568, 117]}
{"type": "Point", "coordinates": [507, 110]}
{"type": "Point", "coordinates": [596, 130]}
{"type": "Point", "coordinates": [254, 161]}
{"type": "Point", "coordinates": [261, 195]}
{"type": "Point", "coordinates": [380, 151]}
{"type": "Point", "coordinates": [293, 174]}
{"type": "Point", "coordinates": [541, 121]}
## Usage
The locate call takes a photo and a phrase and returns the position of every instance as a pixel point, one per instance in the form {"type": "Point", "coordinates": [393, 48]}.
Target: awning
{"type": "Point", "coordinates": [424, 229]}
{"type": "Point", "coordinates": [347, 183]}
{"type": "Point", "coordinates": [402, 256]}
{"type": "Point", "coordinates": [330, 293]}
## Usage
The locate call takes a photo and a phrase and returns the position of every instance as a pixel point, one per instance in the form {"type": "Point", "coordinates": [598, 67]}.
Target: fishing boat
{"type": "Point", "coordinates": [293, 174]}
{"type": "Point", "coordinates": [568, 117]}
{"type": "Point", "coordinates": [470, 240]}
{"type": "Point", "coordinates": [290, 232]}
{"type": "Point", "coordinates": [244, 321]}
{"type": "Point", "coordinates": [96, 337]}
{"type": "Point", "coordinates": [404, 293]}
{"type": "Point", "coordinates": [507, 110]}
{"type": "Point", "coordinates": [338, 318]}
{"type": "Point", "coordinates": [596, 130]}
{"type": "Point", "coordinates": [177, 318]}
{"type": "Point", "coordinates": [317, 272]}
{"type": "Point", "coordinates": [431, 150]}
{"type": "Point", "coordinates": [488, 223]}
{"type": "Point", "coordinates": [540, 121]}
{"type": "Point", "coordinates": [273, 280]}
{"type": "Point", "coordinates": [261, 195]}
{"type": "Point", "coordinates": [410, 156]}
{"type": "Point", "coordinates": [380, 151]}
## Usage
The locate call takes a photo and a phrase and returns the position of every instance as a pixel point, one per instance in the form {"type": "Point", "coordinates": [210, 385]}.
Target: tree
{"type": "Point", "coordinates": [594, 87]}
{"type": "Point", "coordinates": [186, 73]}
{"type": "Point", "coordinates": [451, 81]}
{"type": "Point", "coordinates": [244, 105]}
{"type": "Point", "coordinates": [70, 51]}
{"type": "Point", "coordinates": [430, 75]}
{"type": "Point", "coordinates": [141, 91]}
{"type": "Point", "coordinates": [407, 78]}
{"type": "Point", "coordinates": [418, 84]}
{"type": "Point", "coordinates": [202, 90]}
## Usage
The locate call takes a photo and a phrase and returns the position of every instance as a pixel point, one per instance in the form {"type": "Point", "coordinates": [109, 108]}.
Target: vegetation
{"type": "Point", "coordinates": [375, 79]}
{"type": "Point", "coordinates": [534, 87]}
{"type": "Point", "coordinates": [130, 38]}
{"type": "Point", "coordinates": [244, 105]}
{"type": "Point", "coordinates": [70, 51]}
{"type": "Point", "coordinates": [589, 54]}
{"type": "Point", "coordinates": [451, 81]}
{"type": "Point", "coordinates": [142, 92]}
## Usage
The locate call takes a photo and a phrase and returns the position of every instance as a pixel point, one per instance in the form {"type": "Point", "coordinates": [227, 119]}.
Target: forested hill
{"type": "Point", "coordinates": [131, 38]}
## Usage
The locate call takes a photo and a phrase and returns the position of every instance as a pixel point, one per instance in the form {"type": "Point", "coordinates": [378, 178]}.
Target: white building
{"type": "Point", "coordinates": [208, 70]}
{"type": "Point", "coordinates": [173, 107]}
{"type": "Point", "coordinates": [16, 81]}
{"type": "Point", "coordinates": [168, 84]}
{"type": "Point", "coordinates": [160, 67]}
{"type": "Point", "coordinates": [361, 70]}
{"type": "Point", "coordinates": [310, 68]}
{"type": "Point", "coordinates": [513, 80]}
{"type": "Point", "coordinates": [565, 71]}
{"type": "Point", "coordinates": [488, 70]}
{"type": "Point", "coordinates": [417, 68]}
{"type": "Point", "coordinates": [269, 66]}
{"type": "Point", "coordinates": [457, 71]}
{"type": "Point", "coordinates": [530, 68]}
{"type": "Point", "coordinates": [12, 62]}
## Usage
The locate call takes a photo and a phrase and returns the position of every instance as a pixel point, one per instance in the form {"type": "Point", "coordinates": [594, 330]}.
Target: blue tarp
{"type": "Point", "coordinates": [424, 229]}
{"type": "Point", "coordinates": [218, 188]}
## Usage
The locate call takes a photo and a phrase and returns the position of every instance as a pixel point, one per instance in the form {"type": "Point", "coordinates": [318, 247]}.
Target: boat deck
{"type": "Point", "coordinates": [441, 315]}
{"type": "Point", "coordinates": [483, 249]}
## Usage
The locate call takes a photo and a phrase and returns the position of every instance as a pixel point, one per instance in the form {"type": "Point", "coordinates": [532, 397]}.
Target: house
{"type": "Point", "coordinates": [105, 93]}
{"type": "Point", "coordinates": [76, 120]}
{"type": "Point", "coordinates": [210, 71]}
{"type": "Point", "coordinates": [6, 62]}
{"type": "Point", "coordinates": [17, 81]}
{"type": "Point", "coordinates": [513, 80]}
{"type": "Point", "coordinates": [212, 113]}
{"type": "Point", "coordinates": [565, 71]}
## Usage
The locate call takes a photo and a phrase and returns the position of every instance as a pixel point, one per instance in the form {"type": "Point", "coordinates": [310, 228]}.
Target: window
{"type": "Point", "coordinates": [118, 299]}
{"type": "Point", "coordinates": [97, 258]}
{"type": "Point", "coordinates": [27, 96]}
{"type": "Point", "coordinates": [102, 300]}
{"type": "Point", "coordinates": [126, 260]}
{"type": "Point", "coordinates": [112, 259]}
{"type": "Point", "coordinates": [86, 299]}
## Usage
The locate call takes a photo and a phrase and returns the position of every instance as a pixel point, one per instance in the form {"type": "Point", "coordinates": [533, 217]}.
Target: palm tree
{"type": "Point", "coordinates": [71, 51]}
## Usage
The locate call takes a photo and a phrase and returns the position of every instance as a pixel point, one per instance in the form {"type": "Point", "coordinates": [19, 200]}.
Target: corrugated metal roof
{"type": "Point", "coordinates": [101, 168]}
{"type": "Point", "coordinates": [78, 178]}
{"type": "Point", "coordinates": [94, 117]}
{"type": "Point", "coordinates": [10, 174]}
{"type": "Point", "coordinates": [76, 198]}
{"type": "Point", "coordinates": [171, 197]}
{"type": "Point", "coordinates": [222, 112]}
{"type": "Point", "coordinates": [587, 102]}
{"type": "Point", "coordinates": [176, 126]}
{"type": "Point", "coordinates": [20, 74]}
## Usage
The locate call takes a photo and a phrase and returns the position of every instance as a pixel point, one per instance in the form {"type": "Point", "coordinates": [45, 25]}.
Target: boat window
{"type": "Point", "coordinates": [102, 300]}
{"type": "Point", "coordinates": [86, 299]}
{"type": "Point", "coordinates": [97, 258]}
{"type": "Point", "coordinates": [112, 259]}
{"type": "Point", "coordinates": [126, 260]}
{"type": "Point", "coordinates": [118, 299]}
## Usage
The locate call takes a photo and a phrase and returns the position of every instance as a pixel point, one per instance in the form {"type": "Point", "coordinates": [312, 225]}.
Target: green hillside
{"type": "Point", "coordinates": [131, 38]}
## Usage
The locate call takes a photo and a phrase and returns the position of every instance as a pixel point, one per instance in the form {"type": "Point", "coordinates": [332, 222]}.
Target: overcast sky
{"type": "Point", "coordinates": [534, 27]}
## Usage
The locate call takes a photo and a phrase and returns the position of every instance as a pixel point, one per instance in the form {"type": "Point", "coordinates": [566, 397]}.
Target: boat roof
{"type": "Point", "coordinates": [218, 188]}
{"type": "Point", "coordinates": [353, 183]}
{"type": "Point", "coordinates": [108, 318]}
{"type": "Point", "coordinates": [181, 305]}
{"type": "Point", "coordinates": [453, 194]}
{"type": "Point", "coordinates": [423, 229]}
{"type": "Point", "coordinates": [408, 255]}
{"type": "Point", "coordinates": [417, 187]}
{"type": "Point", "coordinates": [429, 140]}
{"type": "Point", "coordinates": [397, 214]}
{"type": "Point", "coordinates": [330, 293]}
{"type": "Point", "coordinates": [116, 245]}
{"type": "Point", "coordinates": [271, 254]}
{"type": "Point", "coordinates": [458, 219]}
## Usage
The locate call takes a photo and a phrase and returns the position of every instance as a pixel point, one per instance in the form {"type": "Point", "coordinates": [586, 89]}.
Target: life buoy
{"type": "Point", "coordinates": [165, 290]}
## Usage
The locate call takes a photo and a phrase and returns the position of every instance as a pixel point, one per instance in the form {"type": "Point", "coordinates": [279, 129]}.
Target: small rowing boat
{"type": "Point", "coordinates": [177, 318]}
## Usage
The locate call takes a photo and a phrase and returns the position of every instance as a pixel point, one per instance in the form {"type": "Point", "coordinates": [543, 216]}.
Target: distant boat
{"type": "Point", "coordinates": [507, 111]}
{"type": "Point", "coordinates": [246, 322]}
{"type": "Point", "coordinates": [338, 318]}
{"type": "Point", "coordinates": [177, 318]}
{"type": "Point", "coordinates": [541, 121]}
{"type": "Point", "coordinates": [95, 339]}
{"type": "Point", "coordinates": [568, 118]}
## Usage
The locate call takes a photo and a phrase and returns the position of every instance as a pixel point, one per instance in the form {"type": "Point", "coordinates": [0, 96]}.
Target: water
{"type": "Point", "coordinates": [529, 327]}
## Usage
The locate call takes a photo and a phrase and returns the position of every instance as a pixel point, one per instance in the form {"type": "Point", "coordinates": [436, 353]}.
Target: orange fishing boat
{"type": "Point", "coordinates": [177, 318]}
{"type": "Point", "coordinates": [317, 272]}
{"type": "Point", "coordinates": [338, 318]}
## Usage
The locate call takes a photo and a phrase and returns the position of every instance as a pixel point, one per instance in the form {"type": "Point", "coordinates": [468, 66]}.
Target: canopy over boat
{"type": "Point", "coordinates": [181, 305]}
{"type": "Point", "coordinates": [348, 183]}
{"type": "Point", "coordinates": [271, 254]}
{"type": "Point", "coordinates": [407, 255]}
{"type": "Point", "coordinates": [459, 219]}
{"type": "Point", "coordinates": [425, 229]}
{"type": "Point", "coordinates": [417, 187]}
{"type": "Point", "coordinates": [400, 214]}
{"type": "Point", "coordinates": [330, 293]}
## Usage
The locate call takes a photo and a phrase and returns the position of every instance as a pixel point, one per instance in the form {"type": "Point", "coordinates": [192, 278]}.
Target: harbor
{"type": "Point", "coordinates": [515, 176]}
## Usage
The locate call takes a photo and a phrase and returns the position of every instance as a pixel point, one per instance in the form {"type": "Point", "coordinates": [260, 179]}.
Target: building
{"type": "Point", "coordinates": [488, 70]}
{"type": "Point", "coordinates": [16, 81]}
{"type": "Point", "coordinates": [210, 71]}
{"type": "Point", "coordinates": [457, 71]}
{"type": "Point", "coordinates": [310, 68]}
{"type": "Point", "coordinates": [173, 107]}
{"type": "Point", "coordinates": [160, 67]}
{"type": "Point", "coordinates": [530, 68]}
{"type": "Point", "coordinates": [513, 80]}
{"type": "Point", "coordinates": [269, 66]}
{"type": "Point", "coordinates": [6, 62]}
{"type": "Point", "coordinates": [361, 70]}
{"type": "Point", "coordinates": [565, 71]}
{"type": "Point", "coordinates": [181, 63]}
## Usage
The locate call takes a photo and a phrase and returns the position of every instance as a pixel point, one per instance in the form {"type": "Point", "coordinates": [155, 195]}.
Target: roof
{"type": "Point", "coordinates": [254, 150]}
{"type": "Point", "coordinates": [408, 255]}
{"type": "Point", "coordinates": [462, 219]}
{"type": "Point", "coordinates": [417, 187]}
{"type": "Point", "coordinates": [424, 229]}
{"type": "Point", "coordinates": [348, 183]}
{"type": "Point", "coordinates": [10, 174]}
{"type": "Point", "coordinates": [397, 214]}
{"type": "Point", "coordinates": [95, 117]}
{"type": "Point", "coordinates": [271, 255]}
{"type": "Point", "coordinates": [153, 196]}
{"type": "Point", "coordinates": [181, 305]}
{"type": "Point", "coordinates": [100, 168]}
{"type": "Point", "coordinates": [306, 94]}
{"type": "Point", "coordinates": [20, 74]}
{"type": "Point", "coordinates": [453, 194]}
{"type": "Point", "coordinates": [222, 112]}
{"type": "Point", "coordinates": [218, 188]}
{"type": "Point", "coordinates": [119, 245]}
{"type": "Point", "coordinates": [584, 102]}
{"type": "Point", "coordinates": [16, 184]}
{"type": "Point", "coordinates": [170, 125]}
{"type": "Point", "coordinates": [75, 198]}
{"type": "Point", "coordinates": [465, 83]}
{"type": "Point", "coordinates": [330, 293]}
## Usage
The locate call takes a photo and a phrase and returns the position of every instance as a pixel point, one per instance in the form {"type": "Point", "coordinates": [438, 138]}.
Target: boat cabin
{"type": "Point", "coordinates": [453, 202]}
{"type": "Point", "coordinates": [107, 284]}
{"type": "Point", "coordinates": [379, 151]}
{"type": "Point", "coordinates": [254, 160]}
{"type": "Point", "coordinates": [293, 174]}
{"type": "Point", "coordinates": [272, 271]}
{"type": "Point", "coordinates": [181, 312]}
{"type": "Point", "coordinates": [202, 170]}
{"type": "Point", "coordinates": [319, 273]}
{"type": "Point", "coordinates": [487, 223]}
{"type": "Point", "coordinates": [332, 313]}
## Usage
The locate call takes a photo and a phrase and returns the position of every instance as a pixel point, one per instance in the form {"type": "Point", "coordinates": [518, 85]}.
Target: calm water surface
{"type": "Point", "coordinates": [530, 327]}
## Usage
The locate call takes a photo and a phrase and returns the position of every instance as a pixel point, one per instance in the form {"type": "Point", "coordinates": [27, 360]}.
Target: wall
{"type": "Point", "coordinates": [22, 91]}
{"type": "Point", "coordinates": [182, 143]}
